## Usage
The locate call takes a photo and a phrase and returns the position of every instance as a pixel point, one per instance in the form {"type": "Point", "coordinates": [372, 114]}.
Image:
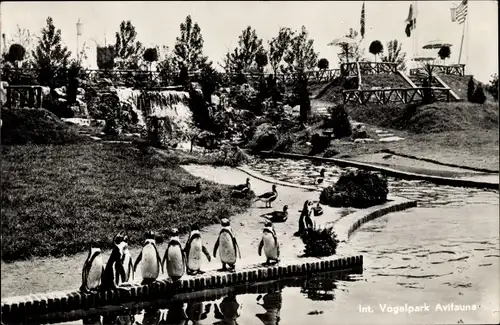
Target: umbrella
{"type": "Point", "coordinates": [435, 44]}
{"type": "Point", "coordinates": [344, 41]}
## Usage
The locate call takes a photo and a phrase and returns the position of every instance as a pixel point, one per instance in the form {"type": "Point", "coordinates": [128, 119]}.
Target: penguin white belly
{"type": "Point", "coordinates": [175, 264]}
{"type": "Point", "coordinates": [226, 249]}
{"type": "Point", "coordinates": [270, 248]}
{"type": "Point", "coordinates": [95, 273]}
{"type": "Point", "coordinates": [149, 264]}
{"type": "Point", "coordinates": [194, 258]}
{"type": "Point", "coordinates": [126, 266]}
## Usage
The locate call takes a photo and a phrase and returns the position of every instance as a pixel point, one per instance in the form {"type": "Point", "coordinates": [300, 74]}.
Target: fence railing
{"type": "Point", "coordinates": [396, 95]}
{"type": "Point", "coordinates": [23, 97]}
{"type": "Point", "coordinates": [156, 78]}
{"type": "Point", "coordinates": [454, 69]}
{"type": "Point", "coordinates": [351, 68]}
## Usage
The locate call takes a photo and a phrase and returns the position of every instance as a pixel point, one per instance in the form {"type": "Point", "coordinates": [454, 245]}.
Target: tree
{"type": "Point", "coordinates": [395, 54]}
{"type": "Point", "coordinates": [150, 55]}
{"type": "Point", "coordinates": [479, 96]}
{"type": "Point", "coordinates": [106, 57]}
{"type": "Point", "coordinates": [244, 56]}
{"type": "Point", "coordinates": [167, 66]}
{"type": "Point", "coordinates": [471, 87]}
{"type": "Point", "coordinates": [261, 60]}
{"type": "Point", "coordinates": [444, 53]}
{"type": "Point", "coordinates": [23, 37]}
{"type": "Point", "coordinates": [278, 46]}
{"type": "Point", "coordinates": [493, 86]}
{"type": "Point", "coordinates": [300, 56]}
{"type": "Point", "coordinates": [323, 64]}
{"type": "Point", "coordinates": [350, 51]}
{"type": "Point", "coordinates": [128, 51]}
{"type": "Point", "coordinates": [376, 48]}
{"type": "Point", "coordinates": [16, 53]}
{"type": "Point", "coordinates": [50, 55]}
{"type": "Point", "coordinates": [188, 49]}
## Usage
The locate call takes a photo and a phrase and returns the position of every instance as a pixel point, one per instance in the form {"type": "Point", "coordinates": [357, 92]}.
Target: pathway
{"type": "Point", "coordinates": [56, 274]}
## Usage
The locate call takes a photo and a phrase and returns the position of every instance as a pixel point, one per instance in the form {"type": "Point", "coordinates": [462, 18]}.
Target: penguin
{"type": "Point", "coordinates": [272, 304]}
{"type": "Point", "coordinates": [319, 180]}
{"type": "Point", "coordinates": [227, 311]}
{"type": "Point", "coordinates": [270, 244]}
{"type": "Point", "coordinates": [305, 221]}
{"type": "Point", "coordinates": [269, 197]}
{"type": "Point", "coordinates": [277, 216]}
{"type": "Point", "coordinates": [229, 248]}
{"type": "Point", "coordinates": [192, 189]}
{"type": "Point", "coordinates": [127, 257]}
{"type": "Point", "coordinates": [318, 210]}
{"type": "Point", "coordinates": [92, 271]}
{"type": "Point", "coordinates": [151, 261]}
{"type": "Point", "coordinates": [114, 268]}
{"type": "Point", "coordinates": [196, 313]}
{"type": "Point", "coordinates": [193, 249]}
{"type": "Point", "coordinates": [174, 258]}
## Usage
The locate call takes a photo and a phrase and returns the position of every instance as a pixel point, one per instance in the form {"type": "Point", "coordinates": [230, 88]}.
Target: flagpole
{"type": "Point", "coordinates": [462, 41]}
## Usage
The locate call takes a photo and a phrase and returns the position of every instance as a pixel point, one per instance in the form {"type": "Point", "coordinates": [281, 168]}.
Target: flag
{"type": "Point", "coordinates": [362, 21]}
{"type": "Point", "coordinates": [411, 22]}
{"type": "Point", "coordinates": [460, 13]}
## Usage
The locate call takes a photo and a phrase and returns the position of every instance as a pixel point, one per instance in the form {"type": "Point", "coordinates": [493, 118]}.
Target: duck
{"type": "Point", "coordinates": [277, 216]}
{"type": "Point", "coordinates": [319, 180]}
{"type": "Point", "coordinates": [317, 210]}
{"type": "Point", "coordinates": [192, 189]}
{"type": "Point", "coordinates": [268, 197]}
{"type": "Point", "coordinates": [242, 187]}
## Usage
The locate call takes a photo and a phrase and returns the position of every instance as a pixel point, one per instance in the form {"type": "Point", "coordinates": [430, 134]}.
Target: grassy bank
{"type": "Point", "coordinates": [56, 200]}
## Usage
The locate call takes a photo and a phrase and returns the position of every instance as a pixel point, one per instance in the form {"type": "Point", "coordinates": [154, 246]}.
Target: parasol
{"type": "Point", "coordinates": [344, 41]}
{"type": "Point", "coordinates": [435, 44]}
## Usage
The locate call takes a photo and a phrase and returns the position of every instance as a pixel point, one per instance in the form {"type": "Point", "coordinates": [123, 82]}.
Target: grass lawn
{"type": "Point", "coordinates": [56, 200]}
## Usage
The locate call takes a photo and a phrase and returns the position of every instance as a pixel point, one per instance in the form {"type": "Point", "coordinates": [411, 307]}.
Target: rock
{"type": "Point", "coordinates": [106, 81]}
{"type": "Point", "coordinates": [215, 100]}
{"type": "Point", "coordinates": [3, 92]}
{"type": "Point", "coordinates": [61, 100]}
{"type": "Point", "coordinates": [61, 92]}
{"type": "Point", "coordinates": [45, 91]}
{"type": "Point", "coordinates": [363, 140]}
{"type": "Point", "coordinates": [80, 92]}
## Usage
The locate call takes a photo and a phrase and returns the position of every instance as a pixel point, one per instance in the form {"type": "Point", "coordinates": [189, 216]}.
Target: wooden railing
{"type": "Point", "coordinates": [454, 69]}
{"type": "Point", "coordinates": [156, 78]}
{"type": "Point", "coordinates": [24, 96]}
{"type": "Point", "coordinates": [396, 95]}
{"type": "Point", "coordinates": [350, 69]}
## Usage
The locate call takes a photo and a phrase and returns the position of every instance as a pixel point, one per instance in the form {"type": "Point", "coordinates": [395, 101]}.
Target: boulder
{"type": "Point", "coordinates": [61, 92]}
{"type": "Point", "coordinates": [45, 91]}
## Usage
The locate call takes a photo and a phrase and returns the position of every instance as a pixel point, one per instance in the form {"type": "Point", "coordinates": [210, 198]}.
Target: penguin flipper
{"type": "Point", "coordinates": [130, 268]}
{"type": "Point", "coordinates": [217, 313]}
{"type": "Point", "coordinates": [85, 271]}
{"type": "Point", "coordinates": [137, 261]}
{"type": "Point", "coordinates": [165, 258]}
{"type": "Point", "coordinates": [236, 246]}
{"type": "Point", "coordinates": [216, 246]}
{"type": "Point", "coordinates": [121, 270]}
{"type": "Point", "coordinates": [158, 258]}
{"type": "Point", "coordinates": [261, 244]}
{"type": "Point", "coordinates": [207, 254]}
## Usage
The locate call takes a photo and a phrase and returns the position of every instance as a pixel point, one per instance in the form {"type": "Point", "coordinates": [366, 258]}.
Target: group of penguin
{"type": "Point", "coordinates": [178, 260]}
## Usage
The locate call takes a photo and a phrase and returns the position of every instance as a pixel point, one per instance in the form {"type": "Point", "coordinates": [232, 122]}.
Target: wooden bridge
{"type": "Point", "coordinates": [357, 68]}
{"type": "Point", "coordinates": [454, 69]}
{"type": "Point", "coordinates": [395, 95]}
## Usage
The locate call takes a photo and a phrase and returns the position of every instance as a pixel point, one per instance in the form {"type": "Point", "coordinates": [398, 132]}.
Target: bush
{"type": "Point", "coordinates": [479, 96]}
{"type": "Point", "coordinates": [493, 86]}
{"type": "Point", "coordinates": [339, 122]}
{"type": "Point", "coordinates": [359, 189]}
{"type": "Point", "coordinates": [471, 87]}
{"type": "Point", "coordinates": [60, 108]}
{"type": "Point", "coordinates": [323, 64]}
{"type": "Point", "coordinates": [36, 126]}
{"type": "Point", "coordinates": [320, 242]}
{"type": "Point", "coordinates": [330, 153]}
{"type": "Point", "coordinates": [319, 144]}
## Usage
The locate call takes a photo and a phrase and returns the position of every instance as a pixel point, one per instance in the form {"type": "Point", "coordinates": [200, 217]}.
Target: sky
{"type": "Point", "coordinates": [157, 23]}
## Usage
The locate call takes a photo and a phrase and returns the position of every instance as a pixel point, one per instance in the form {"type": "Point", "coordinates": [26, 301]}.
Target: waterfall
{"type": "Point", "coordinates": [159, 103]}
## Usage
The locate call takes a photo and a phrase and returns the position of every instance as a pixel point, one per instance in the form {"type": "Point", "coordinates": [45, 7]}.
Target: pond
{"type": "Point", "coordinates": [437, 263]}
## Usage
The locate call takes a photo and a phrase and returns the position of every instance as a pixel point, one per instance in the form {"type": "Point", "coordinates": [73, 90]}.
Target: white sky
{"type": "Point", "coordinates": [157, 23]}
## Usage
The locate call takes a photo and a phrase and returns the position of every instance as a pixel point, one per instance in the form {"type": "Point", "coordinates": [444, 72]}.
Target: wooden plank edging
{"type": "Point", "coordinates": [57, 302]}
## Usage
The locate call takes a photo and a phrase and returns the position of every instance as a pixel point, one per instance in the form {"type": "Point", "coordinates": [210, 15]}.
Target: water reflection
{"type": "Point", "coordinates": [271, 302]}
{"type": "Point", "coordinates": [319, 289]}
{"type": "Point", "coordinates": [152, 316]}
{"type": "Point", "coordinates": [92, 320]}
{"type": "Point", "coordinates": [175, 314]}
{"type": "Point", "coordinates": [197, 311]}
{"type": "Point", "coordinates": [228, 310]}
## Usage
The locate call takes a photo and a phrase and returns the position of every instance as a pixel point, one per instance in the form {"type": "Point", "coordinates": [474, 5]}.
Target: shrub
{"type": "Point", "coordinates": [285, 143]}
{"type": "Point", "coordinates": [340, 122]}
{"type": "Point", "coordinates": [323, 64]}
{"type": "Point", "coordinates": [320, 242]}
{"type": "Point", "coordinates": [479, 96]}
{"type": "Point", "coordinates": [358, 189]}
{"type": "Point", "coordinates": [159, 130]}
{"type": "Point", "coordinates": [319, 144]}
{"type": "Point", "coordinates": [471, 87]}
{"type": "Point", "coordinates": [36, 126]}
{"type": "Point", "coordinates": [493, 86]}
{"type": "Point", "coordinates": [330, 153]}
{"type": "Point", "coordinates": [376, 48]}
